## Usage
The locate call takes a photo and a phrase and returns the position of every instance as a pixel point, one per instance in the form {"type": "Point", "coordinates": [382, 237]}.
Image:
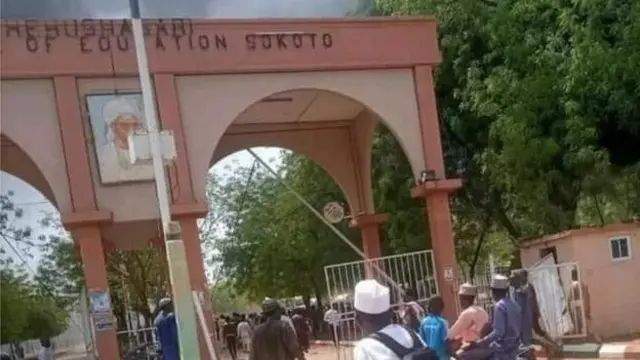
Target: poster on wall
{"type": "Point", "coordinates": [103, 322]}
{"type": "Point", "coordinates": [99, 302]}
{"type": "Point", "coordinates": [112, 118]}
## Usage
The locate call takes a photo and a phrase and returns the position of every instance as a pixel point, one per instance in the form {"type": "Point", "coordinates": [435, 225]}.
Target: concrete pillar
{"type": "Point", "coordinates": [444, 250]}
{"type": "Point", "coordinates": [369, 225]}
{"type": "Point", "coordinates": [89, 239]}
{"type": "Point", "coordinates": [436, 191]}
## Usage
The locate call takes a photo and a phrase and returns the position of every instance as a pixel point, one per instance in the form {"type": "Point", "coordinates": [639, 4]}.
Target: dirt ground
{"type": "Point", "coordinates": [322, 352]}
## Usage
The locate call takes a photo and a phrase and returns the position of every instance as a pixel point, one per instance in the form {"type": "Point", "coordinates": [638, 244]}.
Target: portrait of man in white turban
{"type": "Point", "coordinates": [112, 122]}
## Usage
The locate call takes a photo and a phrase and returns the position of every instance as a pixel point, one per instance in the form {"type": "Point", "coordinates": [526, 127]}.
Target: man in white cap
{"type": "Point", "coordinates": [123, 116]}
{"type": "Point", "coordinates": [504, 339]}
{"type": "Point", "coordinates": [384, 340]}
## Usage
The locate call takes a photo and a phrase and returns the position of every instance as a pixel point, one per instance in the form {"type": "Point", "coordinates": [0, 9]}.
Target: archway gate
{"type": "Point", "coordinates": [324, 97]}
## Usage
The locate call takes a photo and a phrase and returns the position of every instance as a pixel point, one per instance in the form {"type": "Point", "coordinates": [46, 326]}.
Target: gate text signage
{"type": "Point", "coordinates": [178, 34]}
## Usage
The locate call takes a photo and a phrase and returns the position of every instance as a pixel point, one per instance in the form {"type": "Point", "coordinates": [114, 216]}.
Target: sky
{"type": "Point", "coordinates": [35, 205]}
{"type": "Point", "coordinates": [66, 9]}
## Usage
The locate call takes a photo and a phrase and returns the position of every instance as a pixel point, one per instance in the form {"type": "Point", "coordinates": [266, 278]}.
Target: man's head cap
{"type": "Point", "coordinates": [468, 289]}
{"type": "Point", "coordinates": [120, 106]}
{"type": "Point", "coordinates": [371, 297]}
{"type": "Point", "coordinates": [270, 305]}
{"type": "Point", "coordinates": [164, 302]}
{"type": "Point", "coordinates": [500, 282]}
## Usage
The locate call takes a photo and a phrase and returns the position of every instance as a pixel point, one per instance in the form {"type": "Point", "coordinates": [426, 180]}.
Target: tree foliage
{"type": "Point", "coordinates": [269, 234]}
{"type": "Point", "coordinates": [530, 95]}
{"type": "Point", "coordinates": [17, 236]}
{"type": "Point", "coordinates": [226, 299]}
{"type": "Point", "coordinates": [34, 303]}
{"type": "Point", "coordinates": [26, 314]}
{"type": "Point", "coordinates": [137, 281]}
{"type": "Point", "coordinates": [540, 117]}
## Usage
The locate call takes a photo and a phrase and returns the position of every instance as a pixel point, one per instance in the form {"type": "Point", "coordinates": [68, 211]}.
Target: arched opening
{"type": "Point", "coordinates": [330, 129]}
{"type": "Point", "coordinates": [259, 240]}
{"type": "Point", "coordinates": [15, 161]}
{"type": "Point", "coordinates": [30, 217]}
{"type": "Point", "coordinates": [35, 246]}
{"type": "Point", "coordinates": [255, 219]}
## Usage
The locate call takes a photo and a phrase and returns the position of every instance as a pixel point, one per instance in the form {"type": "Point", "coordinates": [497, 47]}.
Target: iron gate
{"type": "Point", "coordinates": [414, 270]}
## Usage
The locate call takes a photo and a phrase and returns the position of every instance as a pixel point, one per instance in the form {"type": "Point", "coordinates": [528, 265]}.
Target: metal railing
{"type": "Point", "coordinates": [412, 270]}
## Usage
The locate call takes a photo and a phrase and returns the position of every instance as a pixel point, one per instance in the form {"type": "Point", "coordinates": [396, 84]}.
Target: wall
{"type": "Point", "coordinates": [128, 201]}
{"type": "Point", "coordinates": [29, 119]}
{"type": "Point", "coordinates": [214, 102]}
{"type": "Point", "coordinates": [613, 299]}
{"type": "Point", "coordinates": [564, 247]}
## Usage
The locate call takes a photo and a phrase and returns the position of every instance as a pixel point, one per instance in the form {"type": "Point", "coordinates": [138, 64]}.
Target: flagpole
{"type": "Point", "coordinates": [176, 256]}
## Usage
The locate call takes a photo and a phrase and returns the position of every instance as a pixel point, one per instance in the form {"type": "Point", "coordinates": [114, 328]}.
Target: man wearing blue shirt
{"type": "Point", "coordinates": [503, 342]}
{"type": "Point", "coordinates": [434, 327]}
{"type": "Point", "coordinates": [167, 330]}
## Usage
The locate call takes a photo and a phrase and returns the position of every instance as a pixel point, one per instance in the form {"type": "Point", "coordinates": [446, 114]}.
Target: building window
{"type": "Point", "coordinates": [620, 248]}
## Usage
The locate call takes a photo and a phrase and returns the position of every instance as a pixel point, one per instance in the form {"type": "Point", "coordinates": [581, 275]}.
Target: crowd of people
{"type": "Point", "coordinates": [505, 334]}
{"type": "Point", "coordinates": [236, 331]}
{"type": "Point", "coordinates": [411, 332]}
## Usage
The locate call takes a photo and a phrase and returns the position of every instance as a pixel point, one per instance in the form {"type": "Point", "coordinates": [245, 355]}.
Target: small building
{"type": "Point", "coordinates": [608, 259]}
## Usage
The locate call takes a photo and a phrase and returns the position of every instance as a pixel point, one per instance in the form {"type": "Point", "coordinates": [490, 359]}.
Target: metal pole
{"type": "Point", "coordinates": [176, 256]}
{"type": "Point", "coordinates": [203, 323]}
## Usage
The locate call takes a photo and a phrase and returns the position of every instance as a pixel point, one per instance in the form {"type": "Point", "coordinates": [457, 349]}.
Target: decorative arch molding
{"type": "Point", "coordinates": [339, 168]}
{"type": "Point", "coordinates": [209, 105]}
{"type": "Point", "coordinates": [15, 161]}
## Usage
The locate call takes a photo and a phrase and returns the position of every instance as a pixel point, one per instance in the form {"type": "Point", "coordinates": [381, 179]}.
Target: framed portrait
{"type": "Point", "coordinates": [112, 118]}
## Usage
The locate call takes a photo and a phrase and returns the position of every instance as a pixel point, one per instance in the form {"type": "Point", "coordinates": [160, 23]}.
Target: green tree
{"type": "Point", "coordinates": [524, 118]}
{"type": "Point", "coordinates": [406, 229]}
{"type": "Point", "coordinates": [14, 314]}
{"type": "Point", "coordinates": [225, 299]}
{"type": "Point", "coordinates": [26, 314]}
{"type": "Point", "coordinates": [17, 236]}
{"type": "Point", "coordinates": [271, 235]}
{"type": "Point", "coordinates": [59, 273]}
{"type": "Point", "coordinates": [138, 279]}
